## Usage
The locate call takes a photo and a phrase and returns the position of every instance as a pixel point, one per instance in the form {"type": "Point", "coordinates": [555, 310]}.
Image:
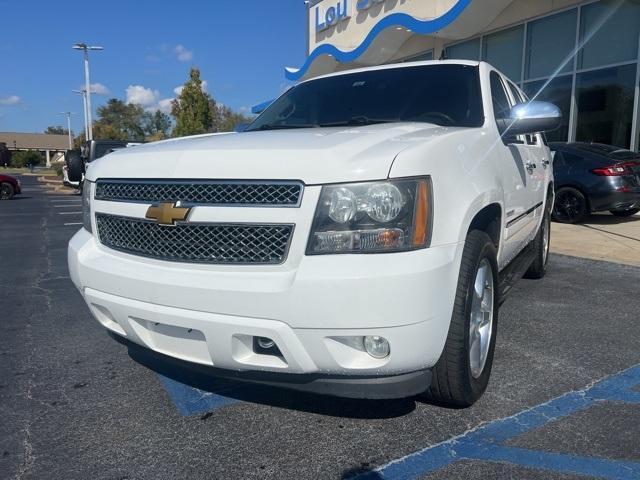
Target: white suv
{"type": "Point", "coordinates": [356, 240]}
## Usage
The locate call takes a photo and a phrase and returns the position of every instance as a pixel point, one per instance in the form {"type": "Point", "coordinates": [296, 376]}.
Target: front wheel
{"type": "Point", "coordinates": [625, 213]}
{"type": "Point", "coordinates": [541, 243]}
{"type": "Point", "coordinates": [461, 375]}
{"type": "Point", "coordinates": [6, 191]}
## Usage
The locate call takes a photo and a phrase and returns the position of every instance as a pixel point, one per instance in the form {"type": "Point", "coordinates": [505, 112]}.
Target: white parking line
{"type": "Point", "coordinates": [71, 205]}
{"type": "Point", "coordinates": [67, 200]}
{"type": "Point", "coordinates": [73, 223]}
{"type": "Point", "coordinates": [69, 213]}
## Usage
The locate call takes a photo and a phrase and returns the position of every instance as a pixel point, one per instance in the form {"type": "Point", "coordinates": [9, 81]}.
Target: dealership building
{"type": "Point", "coordinates": [583, 56]}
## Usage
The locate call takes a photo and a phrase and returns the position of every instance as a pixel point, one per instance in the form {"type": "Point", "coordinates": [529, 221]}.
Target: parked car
{"type": "Point", "coordinates": [9, 186]}
{"type": "Point", "coordinates": [591, 177]}
{"type": "Point", "coordinates": [65, 178]}
{"type": "Point", "coordinates": [356, 239]}
{"type": "Point", "coordinates": [76, 161]}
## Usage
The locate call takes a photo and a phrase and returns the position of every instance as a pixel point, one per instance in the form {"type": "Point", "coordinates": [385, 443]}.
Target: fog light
{"type": "Point", "coordinates": [265, 343]}
{"type": "Point", "coordinates": [377, 347]}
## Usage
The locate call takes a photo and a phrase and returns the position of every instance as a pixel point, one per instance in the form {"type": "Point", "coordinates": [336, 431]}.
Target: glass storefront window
{"type": "Point", "coordinates": [605, 105]}
{"type": "Point", "coordinates": [612, 37]}
{"type": "Point", "coordinates": [503, 50]}
{"type": "Point", "coordinates": [550, 41]}
{"type": "Point", "coordinates": [469, 50]}
{"type": "Point", "coordinates": [558, 92]}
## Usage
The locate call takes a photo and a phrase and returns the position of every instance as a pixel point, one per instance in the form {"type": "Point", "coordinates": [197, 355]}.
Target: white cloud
{"type": "Point", "coordinates": [143, 96]}
{"type": "Point", "coordinates": [164, 105]}
{"type": "Point", "coordinates": [182, 53]}
{"type": "Point", "coordinates": [99, 89]}
{"type": "Point", "coordinates": [10, 100]}
{"type": "Point", "coordinates": [148, 99]}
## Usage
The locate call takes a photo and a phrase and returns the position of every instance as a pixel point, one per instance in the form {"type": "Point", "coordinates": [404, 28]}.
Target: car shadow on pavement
{"type": "Point", "coordinates": [21, 197]}
{"type": "Point", "coordinates": [203, 380]}
{"type": "Point", "coordinates": [364, 473]}
{"type": "Point", "coordinates": [610, 220]}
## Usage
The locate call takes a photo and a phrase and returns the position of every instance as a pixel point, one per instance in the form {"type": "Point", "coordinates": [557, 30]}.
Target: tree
{"type": "Point", "coordinates": [23, 158]}
{"type": "Point", "coordinates": [228, 120]}
{"type": "Point", "coordinates": [118, 120]}
{"type": "Point", "coordinates": [56, 130]}
{"type": "Point", "coordinates": [158, 126]}
{"type": "Point", "coordinates": [193, 109]}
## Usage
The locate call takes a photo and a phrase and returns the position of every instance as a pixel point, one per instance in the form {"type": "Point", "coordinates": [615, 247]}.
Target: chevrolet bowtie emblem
{"type": "Point", "coordinates": [167, 213]}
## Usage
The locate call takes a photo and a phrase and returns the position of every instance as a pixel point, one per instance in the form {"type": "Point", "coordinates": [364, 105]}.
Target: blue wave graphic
{"type": "Point", "coordinates": [422, 27]}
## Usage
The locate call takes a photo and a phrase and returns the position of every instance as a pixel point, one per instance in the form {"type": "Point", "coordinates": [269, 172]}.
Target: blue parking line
{"type": "Point", "coordinates": [485, 443]}
{"type": "Point", "coordinates": [192, 401]}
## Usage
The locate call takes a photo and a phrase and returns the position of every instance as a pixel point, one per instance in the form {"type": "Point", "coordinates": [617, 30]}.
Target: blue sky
{"type": "Point", "coordinates": [241, 47]}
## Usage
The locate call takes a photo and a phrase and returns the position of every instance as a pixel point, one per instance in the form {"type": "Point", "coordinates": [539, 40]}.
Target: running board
{"type": "Point", "coordinates": [513, 272]}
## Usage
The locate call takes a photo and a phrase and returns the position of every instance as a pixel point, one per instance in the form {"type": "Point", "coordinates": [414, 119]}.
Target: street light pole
{"type": "Point", "coordinates": [84, 102]}
{"type": "Point", "coordinates": [87, 83]}
{"type": "Point", "coordinates": [68, 114]}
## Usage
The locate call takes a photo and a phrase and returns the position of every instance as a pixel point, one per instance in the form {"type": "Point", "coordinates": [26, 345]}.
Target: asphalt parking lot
{"type": "Point", "coordinates": [563, 401]}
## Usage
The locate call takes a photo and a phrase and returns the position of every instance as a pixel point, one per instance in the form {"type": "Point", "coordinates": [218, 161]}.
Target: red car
{"type": "Point", "coordinates": [9, 186]}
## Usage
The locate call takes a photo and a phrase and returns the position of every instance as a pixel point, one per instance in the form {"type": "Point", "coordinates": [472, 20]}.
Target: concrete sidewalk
{"type": "Point", "coordinates": [601, 237]}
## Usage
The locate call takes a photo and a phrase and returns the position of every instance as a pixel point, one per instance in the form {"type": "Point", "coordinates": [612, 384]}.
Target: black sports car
{"type": "Point", "coordinates": [591, 177]}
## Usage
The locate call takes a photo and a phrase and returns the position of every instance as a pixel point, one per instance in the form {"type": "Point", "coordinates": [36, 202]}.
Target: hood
{"type": "Point", "coordinates": [312, 155]}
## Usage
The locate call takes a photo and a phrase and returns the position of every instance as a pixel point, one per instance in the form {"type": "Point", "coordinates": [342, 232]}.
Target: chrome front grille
{"type": "Point", "coordinates": [202, 192]}
{"type": "Point", "coordinates": [196, 242]}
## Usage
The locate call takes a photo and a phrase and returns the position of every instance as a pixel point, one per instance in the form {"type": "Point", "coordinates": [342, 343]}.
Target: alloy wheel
{"type": "Point", "coordinates": [481, 322]}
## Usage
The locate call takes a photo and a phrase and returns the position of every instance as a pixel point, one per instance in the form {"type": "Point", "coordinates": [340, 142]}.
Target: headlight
{"type": "Point", "coordinates": [86, 205]}
{"type": "Point", "coordinates": [388, 216]}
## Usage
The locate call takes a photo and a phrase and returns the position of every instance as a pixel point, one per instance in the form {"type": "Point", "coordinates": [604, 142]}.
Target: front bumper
{"type": "Point", "coordinates": [315, 312]}
{"type": "Point", "coordinates": [346, 386]}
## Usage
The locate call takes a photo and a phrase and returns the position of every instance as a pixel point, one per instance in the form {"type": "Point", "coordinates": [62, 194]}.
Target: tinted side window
{"type": "Point", "coordinates": [516, 93]}
{"type": "Point", "coordinates": [501, 104]}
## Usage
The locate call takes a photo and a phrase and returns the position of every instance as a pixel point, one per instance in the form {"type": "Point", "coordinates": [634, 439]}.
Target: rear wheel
{"type": "Point", "coordinates": [570, 206]}
{"type": "Point", "coordinates": [462, 373]}
{"type": "Point", "coordinates": [6, 191]}
{"type": "Point", "coordinates": [625, 213]}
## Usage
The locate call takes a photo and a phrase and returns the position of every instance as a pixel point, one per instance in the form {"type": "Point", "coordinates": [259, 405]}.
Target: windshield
{"type": "Point", "coordinates": [447, 95]}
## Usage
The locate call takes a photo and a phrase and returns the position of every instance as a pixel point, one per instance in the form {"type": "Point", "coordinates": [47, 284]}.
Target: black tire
{"type": "Point", "coordinates": [6, 191]}
{"type": "Point", "coordinates": [570, 206]}
{"type": "Point", "coordinates": [453, 383]}
{"type": "Point", "coordinates": [625, 213]}
{"type": "Point", "coordinates": [75, 165]}
{"type": "Point", "coordinates": [538, 268]}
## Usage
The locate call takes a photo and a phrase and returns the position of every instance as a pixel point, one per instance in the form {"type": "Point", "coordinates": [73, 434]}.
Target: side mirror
{"type": "Point", "coordinates": [531, 117]}
{"type": "Point", "coordinates": [75, 165]}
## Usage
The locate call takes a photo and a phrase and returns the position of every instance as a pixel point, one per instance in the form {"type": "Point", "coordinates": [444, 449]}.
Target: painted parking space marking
{"type": "Point", "coordinates": [485, 443]}
{"type": "Point", "coordinates": [69, 213]}
{"type": "Point", "coordinates": [192, 401]}
{"type": "Point", "coordinates": [72, 223]}
{"type": "Point", "coordinates": [68, 205]}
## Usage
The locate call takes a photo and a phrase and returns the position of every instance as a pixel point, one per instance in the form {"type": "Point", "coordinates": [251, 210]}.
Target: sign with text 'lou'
{"type": "Point", "coordinates": [331, 12]}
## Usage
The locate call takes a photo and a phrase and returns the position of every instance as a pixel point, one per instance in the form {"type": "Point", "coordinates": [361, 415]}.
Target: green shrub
{"type": "Point", "coordinates": [24, 158]}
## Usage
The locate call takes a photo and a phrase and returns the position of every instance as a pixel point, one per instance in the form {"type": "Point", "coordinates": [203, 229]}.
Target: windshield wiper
{"type": "Point", "coordinates": [273, 126]}
{"type": "Point", "coordinates": [357, 120]}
